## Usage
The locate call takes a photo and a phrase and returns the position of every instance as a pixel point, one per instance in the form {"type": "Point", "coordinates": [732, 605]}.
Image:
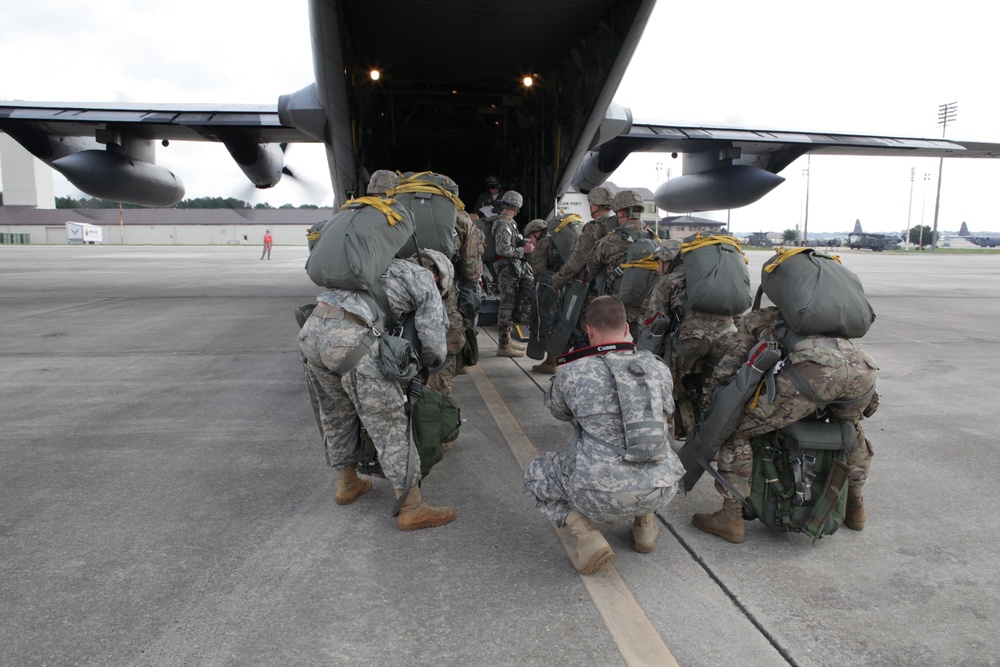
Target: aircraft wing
{"type": "Point", "coordinates": [729, 167]}
{"type": "Point", "coordinates": [108, 150]}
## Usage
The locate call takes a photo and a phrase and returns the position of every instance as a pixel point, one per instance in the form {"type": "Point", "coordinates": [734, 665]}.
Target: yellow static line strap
{"type": "Point", "coordinates": [412, 184]}
{"type": "Point", "coordinates": [702, 241]}
{"type": "Point", "coordinates": [312, 236]}
{"type": "Point", "coordinates": [649, 264]}
{"type": "Point", "coordinates": [381, 204]}
{"type": "Point", "coordinates": [756, 395]}
{"type": "Point", "coordinates": [569, 219]}
{"type": "Point", "coordinates": [785, 253]}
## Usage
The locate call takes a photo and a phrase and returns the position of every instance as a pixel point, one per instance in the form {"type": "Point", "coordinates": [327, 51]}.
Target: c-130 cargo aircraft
{"type": "Point", "coordinates": [446, 101]}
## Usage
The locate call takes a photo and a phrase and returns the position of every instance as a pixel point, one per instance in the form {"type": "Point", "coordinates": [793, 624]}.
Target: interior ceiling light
{"type": "Point", "coordinates": [374, 74]}
{"type": "Point", "coordinates": [528, 81]}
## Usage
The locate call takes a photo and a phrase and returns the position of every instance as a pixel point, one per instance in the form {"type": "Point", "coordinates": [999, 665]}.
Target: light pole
{"type": "Point", "coordinates": [805, 222]}
{"type": "Point", "coordinates": [946, 113]}
{"type": "Point", "coordinates": [923, 208]}
{"type": "Point", "coordinates": [909, 211]}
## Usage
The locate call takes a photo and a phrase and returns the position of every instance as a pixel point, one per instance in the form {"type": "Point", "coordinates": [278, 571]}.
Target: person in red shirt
{"type": "Point", "coordinates": [267, 244]}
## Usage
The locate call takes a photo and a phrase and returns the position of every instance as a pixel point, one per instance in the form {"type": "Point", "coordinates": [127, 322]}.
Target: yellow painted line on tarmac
{"type": "Point", "coordinates": [638, 641]}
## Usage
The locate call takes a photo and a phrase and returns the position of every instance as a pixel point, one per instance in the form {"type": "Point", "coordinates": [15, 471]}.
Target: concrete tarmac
{"type": "Point", "coordinates": [165, 499]}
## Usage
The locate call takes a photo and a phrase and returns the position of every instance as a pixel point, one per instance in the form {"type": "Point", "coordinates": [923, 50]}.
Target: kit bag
{"type": "Point", "coordinates": [356, 245]}
{"type": "Point", "coordinates": [716, 275]}
{"type": "Point", "coordinates": [433, 201]}
{"type": "Point", "coordinates": [639, 394]}
{"type": "Point", "coordinates": [565, 230]}
{"type": "Point", "coordinates": [799, 481]}
{"type": "Point", "coordinates": [816, 294]}
{"type": "Point", "coordinates": [435, 419]}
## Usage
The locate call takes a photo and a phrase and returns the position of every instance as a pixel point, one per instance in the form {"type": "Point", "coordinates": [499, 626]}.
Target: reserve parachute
{"type": "Point", "coordinates": [639, 269]}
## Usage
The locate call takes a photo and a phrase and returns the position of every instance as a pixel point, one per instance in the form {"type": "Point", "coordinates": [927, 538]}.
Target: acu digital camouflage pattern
{"type": "Point", "coordinates": [364, 393]}
{"type": "Point", "coordinates": [834, 368]}
{"type": "Point", "coordinates": [589, 476]}
{"type": "Point", "coordinates": [514, 278]}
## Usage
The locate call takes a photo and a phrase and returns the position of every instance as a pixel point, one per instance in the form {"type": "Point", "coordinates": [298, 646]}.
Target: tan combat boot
{"type": "Point", "coordinates": [349, 487]}
{"type": "Point", "coordinates": [589, 551]}
{"type": "Point", "coordinates": [548, 366]}
{"type": "Point", "coordinates": [856, 514]}
{"type": "Point", "coordinates": [416, 514]}
{"type": "Point", "coordinates": [644, 532]}
{"type": "Point", "coordinates": [727, 523]}
{"type": "Point", "coordinates": [508, 349]}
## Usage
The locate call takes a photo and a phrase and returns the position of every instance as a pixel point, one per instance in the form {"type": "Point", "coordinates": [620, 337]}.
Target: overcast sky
{"type": "Point", "coordinates": [865, 67]}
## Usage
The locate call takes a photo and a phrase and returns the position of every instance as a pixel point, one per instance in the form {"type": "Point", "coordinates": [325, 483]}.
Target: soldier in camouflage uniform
{"type": "Point", "coordinates": [603, 221]}
{"type": "Point", "coordinates": [467, 267]}
{"type": "Point", "coordinates": [839, 374]}
{"type": "Point", "coordinates": [363, 394]}
{"type": "Point", "coordinates": [513, 274]}
{"type": "Point", "coordinates": [612, 250]}
{"type": "Point", "coordinates": [696, 344]}
{"type": "Point", "coordinates": [591, 480]}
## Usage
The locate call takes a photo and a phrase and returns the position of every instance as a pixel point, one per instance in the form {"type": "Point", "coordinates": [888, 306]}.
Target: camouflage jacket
{"type": "Point", "coordinates": [584, 392]}
{"type": "Point", "coordinates": [506, 234]}
{"type": "Point", "coordinates": [545, 256]}
{"type": "Point", "coordinates": [591, 233]}
{"type": "Point", "coordinates": [609, 253]}
{"type": "Point", "coordinates": [410, 289]}
{"type": "Point", "coordinates": [667, 293]}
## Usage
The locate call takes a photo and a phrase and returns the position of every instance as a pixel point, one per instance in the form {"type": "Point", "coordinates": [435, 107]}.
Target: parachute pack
{"type": "Point", "coordinates": [433, 201]}
{"type": "Point", "coordinates": [816, 294]}
{"type": "Point", "coordinates": [565, 230]}
{"type": "Point", "coordinates": [799, 481]}
{"type": "Point", "coordinates": [489, 241]}
{"type": "Point", "coordinates": [639, 269]}
{"type": "Point", "coordinates": [716, 275]}
{"type": "Point", "coordinates": [355, 246]}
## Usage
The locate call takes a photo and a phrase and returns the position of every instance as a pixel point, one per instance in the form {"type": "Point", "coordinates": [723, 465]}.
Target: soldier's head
{"type": "Point", "coordinates": [535, 229]}
{"type": "Point", "coordinates": [440, 266]}
{"type": "Point", "coordinates": [493, 184]}
{"type": "Point", "coordinates": [606, 321]}
{"type": "Point", "coordinates": [667, 254]}
{"type": "Point", "coordinates": [600, 199]}
{"type": "Point", "coordinates": [382, 181]}
{"type": "Point", "coordinates": [511, 202]}
{"type": "Point", "coordinates": [628, 204]}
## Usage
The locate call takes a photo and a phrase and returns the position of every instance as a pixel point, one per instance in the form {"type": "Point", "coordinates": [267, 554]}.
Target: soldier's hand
{"type": "Point", "coordinates": [529, 246]}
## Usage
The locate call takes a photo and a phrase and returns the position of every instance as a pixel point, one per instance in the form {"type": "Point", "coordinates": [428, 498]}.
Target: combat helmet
{"type": "Point", "coordinates": [382, 181]}
{"type": "Point", "coordinates": [512, 199]}
{"type": "Point", "coordinates": [535, 226]}
{"type": "Point", "coordinates": [668, 251]}
{"type": "Point", "coordinates": [601, 196]}
{"type": "Point", "coordinates": [492, 181]}
{"type": "Point", "coordinates": [437, 261]}
{"type": "Point", "coordinates": [626, 199]}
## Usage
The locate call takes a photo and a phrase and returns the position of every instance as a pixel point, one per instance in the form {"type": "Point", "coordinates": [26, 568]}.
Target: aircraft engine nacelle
{"type": "Point", "coordinates": [716, 189]}
{"type": "Point", "coordinates": [117, 177]}
{"type": "Point", "coordinates": [263, 164]}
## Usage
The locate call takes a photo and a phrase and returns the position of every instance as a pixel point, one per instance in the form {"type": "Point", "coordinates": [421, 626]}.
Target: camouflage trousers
{"type": "Point", "coordinates": [363, 395]}
{"type": "Point", "coordinates": [441, 381]}
{"type": "Point", "coordinates": [546, 480]}
{"type": "Point", "coordinates": [696, 348]}
{"type": "Point", "coordinates": [516, 285]}
{"type": "Point", "coordinates": [851, 379]}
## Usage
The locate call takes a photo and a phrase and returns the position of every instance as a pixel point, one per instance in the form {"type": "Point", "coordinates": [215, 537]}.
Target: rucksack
{"type": "Point", "coordinates": [816, 294]}
{"type": "Point", "coordinates": [716, 275]}
{"type": "Point", "coordinates": [638, 272]}
{"type": "Point", "coordinates": [435, 419]}
{"type": "Point", "coordinates": [565, 230]}
{"type": "Point", "coordinates": [433, 201]}
{"type": "Point", "coordinates": [799, 481]}
{"type": "Point", "coordinates": [356, 245]}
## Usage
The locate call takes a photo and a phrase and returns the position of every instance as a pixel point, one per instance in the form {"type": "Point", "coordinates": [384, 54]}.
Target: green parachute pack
{"type": "Point", "coordinates": [816, 294]}
{"type": "Point", "coordinates": [433, 200]}
{"type": "Point", "coordinates": [638, 272]}
{"type": "Point", "coordinates": [716, 275]}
